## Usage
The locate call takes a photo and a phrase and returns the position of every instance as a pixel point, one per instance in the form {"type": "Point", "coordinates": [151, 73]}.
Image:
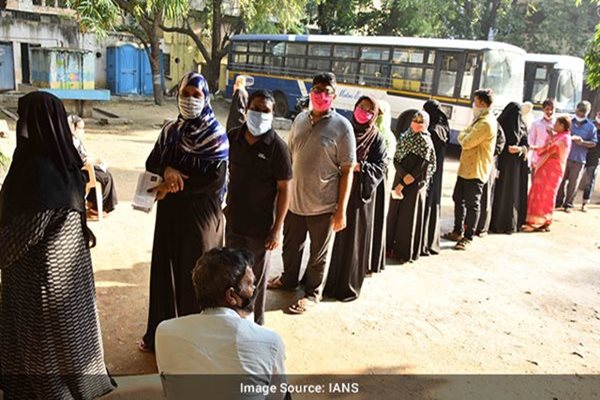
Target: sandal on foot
{"type": "Point", "coordinates": [453, 236]}
{"type": "Point", "coordinates": [303, 305]}
{"type": "Point", "coordinates": [462, 244]}
{"type": "Point", "coordinates": [528, 229]}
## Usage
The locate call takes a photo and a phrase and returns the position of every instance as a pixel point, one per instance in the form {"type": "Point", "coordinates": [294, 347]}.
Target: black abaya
{"type": "Point", "coordinates": [379, 219]}
{"type": "Point", "coordinates": [352, 251]}
{"type": "Point", "coordinates": [406, 217]}
{"type": "Point", "coordinates": [510, 198]}
{"type": "Point", "coordinates": [188, 224]}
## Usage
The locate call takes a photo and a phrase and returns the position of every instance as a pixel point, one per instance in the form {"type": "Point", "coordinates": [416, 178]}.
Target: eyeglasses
{"type": "Point", "coordinates": [418, 121]}
{"type": "Point", "coordinates": [318, 90]}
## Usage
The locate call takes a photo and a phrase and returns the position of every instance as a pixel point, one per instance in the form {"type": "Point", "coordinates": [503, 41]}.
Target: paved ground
{"type": "Point", "coordinates": [523, 303]}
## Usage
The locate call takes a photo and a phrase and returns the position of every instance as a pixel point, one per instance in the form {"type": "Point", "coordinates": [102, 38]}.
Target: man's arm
{"type": "Point", "coordinates": [589, 144]}
{"type": "Point", "coordinates": [472, 138]}
{"type": "Point", "coordinates": [281, 209]}
{"type": "Point", "coordinates": [339, 219]}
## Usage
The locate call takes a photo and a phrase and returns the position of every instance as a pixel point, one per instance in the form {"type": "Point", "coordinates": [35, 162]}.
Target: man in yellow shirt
{"type": "Point", "coordinates": [476, 162]}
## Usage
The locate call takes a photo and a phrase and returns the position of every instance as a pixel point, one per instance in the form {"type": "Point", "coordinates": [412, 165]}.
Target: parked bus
{"type": "Point", "coordinates": [553, 76]}
{"type": "Point", "coordinates": [403, 71]}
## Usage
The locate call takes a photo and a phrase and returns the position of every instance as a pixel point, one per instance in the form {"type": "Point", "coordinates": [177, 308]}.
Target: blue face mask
{"type": "Point", "coordinates": [258, 122]}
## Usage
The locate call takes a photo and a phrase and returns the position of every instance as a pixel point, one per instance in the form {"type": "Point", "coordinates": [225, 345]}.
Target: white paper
{"type": "Point", "coordinates": [143, 200]}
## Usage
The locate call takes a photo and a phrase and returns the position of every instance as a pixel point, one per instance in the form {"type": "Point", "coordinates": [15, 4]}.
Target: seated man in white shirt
{"type": "Point", "coordinates": [219, 342]}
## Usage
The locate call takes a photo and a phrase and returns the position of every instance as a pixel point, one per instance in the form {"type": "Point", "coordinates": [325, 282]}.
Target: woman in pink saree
{"type": "Point", "coordinates": [548, 174]}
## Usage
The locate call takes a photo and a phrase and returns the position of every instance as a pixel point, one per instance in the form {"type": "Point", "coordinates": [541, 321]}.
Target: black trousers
{"type": "Point", "coordinates": [467, 205]}
{"type": "Point", "coordinates": [260, 268]}
{"type": "Point", "coordinates": [321, 236]}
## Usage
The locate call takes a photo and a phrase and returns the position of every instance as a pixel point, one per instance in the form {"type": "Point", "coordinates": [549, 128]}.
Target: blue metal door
{"type": "Point", "coordinates": [128, 70]}
{"type": "Point", "coordinates": [146, 75]}
{"type": "Point", "coordinates": [7, 68]}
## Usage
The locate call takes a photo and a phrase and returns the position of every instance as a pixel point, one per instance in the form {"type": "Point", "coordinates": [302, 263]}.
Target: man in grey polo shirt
{"type": "Point", "coordinates": [323, 155]}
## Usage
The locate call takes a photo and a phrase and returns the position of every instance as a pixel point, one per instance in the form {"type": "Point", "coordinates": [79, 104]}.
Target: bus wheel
{"type": "Point", "coordinates": [281, 105]}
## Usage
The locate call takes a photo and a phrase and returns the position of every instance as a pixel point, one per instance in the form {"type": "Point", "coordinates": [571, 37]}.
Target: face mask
{"type": "Point", "coordinates": [580, 119]}
{"type": "Point", "coordinates": [548, 118]}
{"type": "Point", "coordinates": [418, 128]}
{"type": "Point", "coordinates": [321, 102]}
{"type": "Point", "coordinates": [598, 120]}
{"type": "Point", "coordinates": [258, 122]}
{"type": "Point", "coordinates": [477, 111]}
{"type": "Point", "coordinates": [191, 107]}
{"type": "Point", "coordinates": [362, 116]}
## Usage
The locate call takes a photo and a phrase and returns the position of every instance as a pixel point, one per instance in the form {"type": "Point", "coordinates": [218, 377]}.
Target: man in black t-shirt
{"type": "Point", "coordinates": [260, 169]}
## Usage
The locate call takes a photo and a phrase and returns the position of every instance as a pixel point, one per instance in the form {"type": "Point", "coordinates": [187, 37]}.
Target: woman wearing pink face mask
{"type": "Point", "coordinates": [351, 256]}
{"type": "Point", "coordinates": [415, 164]}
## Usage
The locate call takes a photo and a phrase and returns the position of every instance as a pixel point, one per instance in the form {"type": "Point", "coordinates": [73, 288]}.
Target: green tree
{"type": "Point", "coordinates": [337, 17]}
{"type": "Point", "coordinates": [403, 18]}
{"type": "Point", "coordinates": [264, 16]}
{"type": "Point", "coordinates": [142, 18]}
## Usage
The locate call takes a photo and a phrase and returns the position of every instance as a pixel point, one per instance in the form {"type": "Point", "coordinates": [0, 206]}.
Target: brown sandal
{"type": "Point", "coordinates": [303, 305]}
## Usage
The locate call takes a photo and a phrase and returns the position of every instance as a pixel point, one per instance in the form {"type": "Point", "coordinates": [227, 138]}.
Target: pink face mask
{"type": "Point", "coordinates": [416, 127]}
{"type": "Point", "coordinates": [362, 116]}
{"type": "Point", "coordinates": [321, 101]}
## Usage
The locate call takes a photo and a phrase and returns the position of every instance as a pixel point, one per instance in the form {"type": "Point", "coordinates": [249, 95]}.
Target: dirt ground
{"type": "Point", "coordinates": [522, 303]}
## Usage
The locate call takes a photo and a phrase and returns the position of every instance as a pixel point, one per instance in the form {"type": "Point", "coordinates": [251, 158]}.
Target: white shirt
{"type": "Point", "coordinates": [538, 135]}
{"type": "Point", "coordinates": [218, 342]}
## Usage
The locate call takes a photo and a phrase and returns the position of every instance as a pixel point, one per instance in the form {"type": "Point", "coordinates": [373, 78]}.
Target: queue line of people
{"type": "Point", "coordinates": [330, 183]}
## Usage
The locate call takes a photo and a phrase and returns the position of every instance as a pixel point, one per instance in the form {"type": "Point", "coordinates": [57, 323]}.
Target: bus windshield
{"type": "Point", "coordinates": [503, 72]}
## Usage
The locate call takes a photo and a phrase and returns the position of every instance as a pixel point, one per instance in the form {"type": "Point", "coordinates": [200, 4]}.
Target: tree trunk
{"type": "Point", "coordinates": [155, 62]}
{"type": "Point", "coordinates": [212, 73]}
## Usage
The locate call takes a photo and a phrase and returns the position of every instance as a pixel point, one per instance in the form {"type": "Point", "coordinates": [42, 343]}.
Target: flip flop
{"type": "Point", "coordinates": [143, 347]}
{"type": "Point", "coordinates": [303, 305]}
{"type": "Point", "coordinates": [275, 283]}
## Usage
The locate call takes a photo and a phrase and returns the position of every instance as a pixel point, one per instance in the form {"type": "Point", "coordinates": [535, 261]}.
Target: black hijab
{"type": "Point", "coordinates": [46, 169]}
{"type": "Point", "coordinates": [404, 121]}
{"type": "Point", "coordinates": [438, 124]}
{"type": "Point", "coordinates": [512, 123]}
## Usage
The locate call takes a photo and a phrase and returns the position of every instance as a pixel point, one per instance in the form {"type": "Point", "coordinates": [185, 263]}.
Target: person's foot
{"type": "Point", "coordinates": [453, 236]}
{"type": "Point", "coordinates": [463, 244]}
{"type": "Point", "coordinates": [303, 305]}
{"type": "Point", "coordinates": [144, 348]}
{"type": "Point", "coordinates": [275, 283]}
{"type": "Point", "coordinates": [584, 208]}
{"type": "Point", "coordinates": [568, 210]}
{"type": "Point", "coordinates": [481, 234]}
{"type": "Point", "coordinates": [528, 228]}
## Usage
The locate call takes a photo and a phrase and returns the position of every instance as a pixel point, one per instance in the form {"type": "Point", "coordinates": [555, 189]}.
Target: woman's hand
{"type": "Point", "coordinates": [161, 191]}
{"type": "Point", "coordinates": [514, 149]}
{"type": "Point", "coordinates": [174, 179]}
{"type": "Point", "coordinates": [398, 189]}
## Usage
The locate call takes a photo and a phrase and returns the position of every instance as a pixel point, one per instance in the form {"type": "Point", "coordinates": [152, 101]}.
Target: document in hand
{"type": "Point", "coordinates": [143, 200]}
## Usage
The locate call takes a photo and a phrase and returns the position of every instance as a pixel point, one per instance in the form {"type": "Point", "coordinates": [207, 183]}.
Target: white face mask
{"type": "Point", "coordinates": [477, 111]}
{"type": "Point", "coordinates": [580, 119]}
{"type": "Point", "coordinates": [191, 107]}
{"type": "Point", "coordinates": [258, 122]}
{"type": "Point", "coordinates": [598, 120]}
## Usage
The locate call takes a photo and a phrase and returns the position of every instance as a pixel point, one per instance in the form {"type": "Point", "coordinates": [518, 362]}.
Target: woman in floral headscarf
{"type": "Point", "coordinates": [415, 164]}
{"type": "Point", "coordinates": [191, 155]}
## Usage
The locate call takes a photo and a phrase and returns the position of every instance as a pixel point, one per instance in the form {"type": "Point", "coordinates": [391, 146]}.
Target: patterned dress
{"type": "Point", "coordinates": [546, 179]}
{"type": "Point", "coordinates": [50, 342]}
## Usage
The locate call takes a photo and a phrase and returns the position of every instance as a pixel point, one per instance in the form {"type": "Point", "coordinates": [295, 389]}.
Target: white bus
{"type": "Point", "coordinates": [553, 76]}
{"type": "Point", "coordinates": [403, 71]}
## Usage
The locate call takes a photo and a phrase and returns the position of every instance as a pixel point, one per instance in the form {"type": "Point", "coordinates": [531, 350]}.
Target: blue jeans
{"type": "Point", "coordinates": [589, 177]}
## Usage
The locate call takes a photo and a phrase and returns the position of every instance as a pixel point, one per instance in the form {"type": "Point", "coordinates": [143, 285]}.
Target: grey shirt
{"type": "Point", "coordinates": [318, 153]}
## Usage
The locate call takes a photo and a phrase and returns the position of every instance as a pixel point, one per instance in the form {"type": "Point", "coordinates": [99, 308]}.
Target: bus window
{"type": "Point", "coordinates": [295, 62]}
{"type": "Point", "coordinates": [345, 51]}
{"type": "Point", "coordinates": [345, 71]}
{"type": "Point", "coordinates": [317, 65]}
{"type": "Point", "coordinates": [448, 73]}
{"type": "Point", "coordinates": [503, 72]}
{"type": "Point", "coordinates": [255, 59]}
{"type": "Point", "coordinates": [373, 74]}
{"type": "Point", "coordinates": [320, 50]}
{"type": "Point", "coordinates": [298, 49]}
{"type": "Point", "coordinates": [408, 78]}
{"type": "Point", "coordinates": [240, 58]}
{"type": "Point", "coordinates": [271, 61]}
{"type": "Point", "coordinates": [431, 57]}
{"type": "Point", "coordinates": [277, 49]}
{"type": "Point", "coordinates": [375, 53]}
{"type": "Point", "coordinates": [409, 56]}
{"type": "Point", "coordinates": [256, 47]}
{"type": "Point", "coordinates": [469, 76]}
{"type": "Point", "coordinates": [240, 47]}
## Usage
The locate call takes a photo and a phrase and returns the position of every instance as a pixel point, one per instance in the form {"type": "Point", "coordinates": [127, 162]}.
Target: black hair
{"type": "Point", "coordinates": [218, 270]}
{"type": "Point", "coordinates": [485, 95]}
{"type": "Point", "coordinates": [261, 94]}
{"type": "Point", "coordinates": [548, 102]}
{"type": "Point", "coordinates": [327, 78]}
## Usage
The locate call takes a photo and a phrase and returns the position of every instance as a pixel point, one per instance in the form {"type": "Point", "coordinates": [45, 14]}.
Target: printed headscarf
{"type": "Point", "coordinates": [419, 144]}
